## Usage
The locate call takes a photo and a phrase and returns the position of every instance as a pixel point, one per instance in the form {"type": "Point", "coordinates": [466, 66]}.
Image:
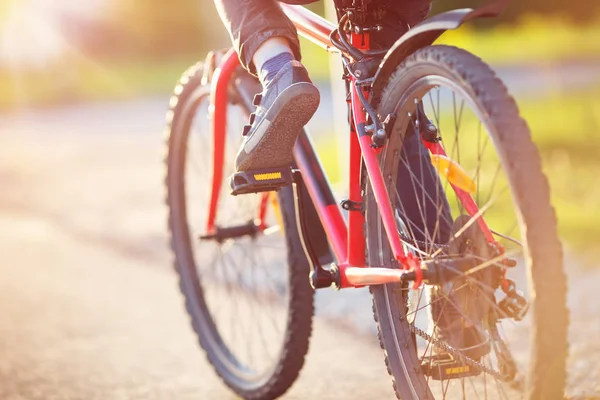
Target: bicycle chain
{"type": "Point", "coordinates": [455, 353]}
{"type": "Point", "coordinates": [442, 345]}
{"type": "Point", "coordinates": [426, 245]}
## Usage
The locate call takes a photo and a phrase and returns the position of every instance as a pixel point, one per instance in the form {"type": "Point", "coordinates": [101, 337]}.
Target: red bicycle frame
{"type": "Point", "coordinates": [347, 240]}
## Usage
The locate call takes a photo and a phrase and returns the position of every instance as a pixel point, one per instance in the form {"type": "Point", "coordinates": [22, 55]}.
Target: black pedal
{"type": "Point", "coordinates": [444, 367]}
{"type": "Point", "coordinates": [264, 180]}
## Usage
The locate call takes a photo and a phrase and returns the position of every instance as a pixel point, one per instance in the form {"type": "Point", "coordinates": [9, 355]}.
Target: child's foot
{"type": "Point", "coordinates": [286, 104]}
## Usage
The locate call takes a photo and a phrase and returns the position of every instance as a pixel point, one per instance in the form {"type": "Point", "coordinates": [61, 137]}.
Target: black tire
{"type": "Point", "coordinates": [521, 164]}
{"type": "Point", "coordinates": [299, 306]}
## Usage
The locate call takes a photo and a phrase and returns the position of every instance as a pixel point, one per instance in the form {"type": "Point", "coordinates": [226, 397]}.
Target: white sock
{"type": "Point", "coordinates": [269, 49]}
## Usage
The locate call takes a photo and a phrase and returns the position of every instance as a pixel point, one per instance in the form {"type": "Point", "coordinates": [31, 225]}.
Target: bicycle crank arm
{"type": "Point", "coordinates": [356, 276]}
{"type": "Point", "coordinates": [221, 234]}
{"type": "Point", "coordinates": [432, 272]}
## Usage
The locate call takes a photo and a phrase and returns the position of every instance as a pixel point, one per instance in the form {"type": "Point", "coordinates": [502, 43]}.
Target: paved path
{"type": "Point", "coordinates": [90, 307]}
{"type": "Point", "coordinates": [81, 321]}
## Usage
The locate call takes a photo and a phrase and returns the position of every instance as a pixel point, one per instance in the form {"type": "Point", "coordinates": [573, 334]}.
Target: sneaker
{"type": "Point", "coordinates": [283, 108]}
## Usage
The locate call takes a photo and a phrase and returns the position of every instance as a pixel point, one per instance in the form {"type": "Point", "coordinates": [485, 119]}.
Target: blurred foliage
{"type": "Point", "coordinates": [139, 47]}
{"type": "Point", "coordinates": [155, 29]}
{"type": "Point", "coordinates": [147, 28]}
{"type": "Point", "coordinates": [532, 40]}
{"type": "Point", "coordinates": [151, 30]}
{"type": "Point", "coordinates": [576, 11]}
{"type": "Point", "coordinates": [566, 129]}
{"type": "Point", "coordinates": [78, 80]}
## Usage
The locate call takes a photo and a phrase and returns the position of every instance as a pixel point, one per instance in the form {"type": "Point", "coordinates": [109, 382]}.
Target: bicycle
{"type": "Point", "coordinates": [253, 316]}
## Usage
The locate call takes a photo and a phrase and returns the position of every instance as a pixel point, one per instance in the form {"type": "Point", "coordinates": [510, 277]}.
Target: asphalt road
{"type": "Point", "coordinates": [90, 306]}
{"type": "Point", "coordinates": [80, 321]}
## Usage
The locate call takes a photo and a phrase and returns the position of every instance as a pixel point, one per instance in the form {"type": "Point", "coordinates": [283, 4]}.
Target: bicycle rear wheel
{"type": "Point", "coordinates": [480, 128]}
{"type": "Point", "coordinates": [246, 283]}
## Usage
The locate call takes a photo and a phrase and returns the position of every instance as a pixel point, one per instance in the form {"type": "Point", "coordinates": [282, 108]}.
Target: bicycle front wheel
{"type": "Point", "coordinates": [245, 283]}
{"type": "Point", "coordinates": [479, 126]}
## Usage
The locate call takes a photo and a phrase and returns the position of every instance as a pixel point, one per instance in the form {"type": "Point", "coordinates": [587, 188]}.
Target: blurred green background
{"type": "Point", "coordinates": [54, 53]}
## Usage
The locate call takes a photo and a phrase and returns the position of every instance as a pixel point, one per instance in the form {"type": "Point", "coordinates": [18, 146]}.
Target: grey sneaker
{"type": "Point", "coordinates": [283, 108]}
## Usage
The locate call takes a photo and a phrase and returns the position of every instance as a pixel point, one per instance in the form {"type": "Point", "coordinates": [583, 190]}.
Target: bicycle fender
{"type": "Point", "coordinates": [426, 33]}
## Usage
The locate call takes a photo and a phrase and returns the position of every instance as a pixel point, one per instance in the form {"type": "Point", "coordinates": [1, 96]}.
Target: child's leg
{"type": "Point", "coordinates": [252, 25]}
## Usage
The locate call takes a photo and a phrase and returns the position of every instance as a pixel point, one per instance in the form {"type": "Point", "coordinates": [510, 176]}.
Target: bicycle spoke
{"type": "Point", "coordinates": [457, 122]}
{"type": "Point", "coordinates": [424, 230]}
{"type": "Point", "coordinates": [273, 303]}
{"type": "Point", "coordinates": [410, 225]}
{"type": "Point", "coordinates": [472, 220]}
{"type": "Point", "coordinates": [425, 233]}
{"type": "Point", "coordinates": [494, 179]}
{"type": "Point", "coordinates": [485, 385]}
{"type": "Point", "coordinates": [238, 284]}
{"type": "Point", "coordinates": [415, 181]}
{"type": "Point", "coordinates": [447, 386]}
{"type": "Point", "coordinates": [430, 303]}
{"type": "Point", "coordinates": [490, 262]}
{"type": "Point", "coordinates": [480, 151]}
{"type": "Point", "coordinates": [261, 306]}
{"type": "Point", "coordinates": [435, 324]}
{"type": "Point", "coordinates": [234, 314]}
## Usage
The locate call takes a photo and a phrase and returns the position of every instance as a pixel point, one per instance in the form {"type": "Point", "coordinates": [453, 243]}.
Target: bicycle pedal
{"type": "Point", "coordinates": [444, 367]}
{"type": "Point", "coordinates": [264, 180]}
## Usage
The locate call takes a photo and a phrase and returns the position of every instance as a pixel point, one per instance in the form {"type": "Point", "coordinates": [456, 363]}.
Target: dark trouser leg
{"type": "Point", "coordinates": [400, 15]}
{"type": "Point", "coordinates": [251, 22]}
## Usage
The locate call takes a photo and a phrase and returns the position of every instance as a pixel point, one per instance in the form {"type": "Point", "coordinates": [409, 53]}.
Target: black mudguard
{"type": "Point", "coordinates": [426, 33]}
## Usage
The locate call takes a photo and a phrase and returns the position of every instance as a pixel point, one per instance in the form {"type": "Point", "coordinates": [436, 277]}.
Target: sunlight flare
{"type": "Point", "coordinates": [32, 32]}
